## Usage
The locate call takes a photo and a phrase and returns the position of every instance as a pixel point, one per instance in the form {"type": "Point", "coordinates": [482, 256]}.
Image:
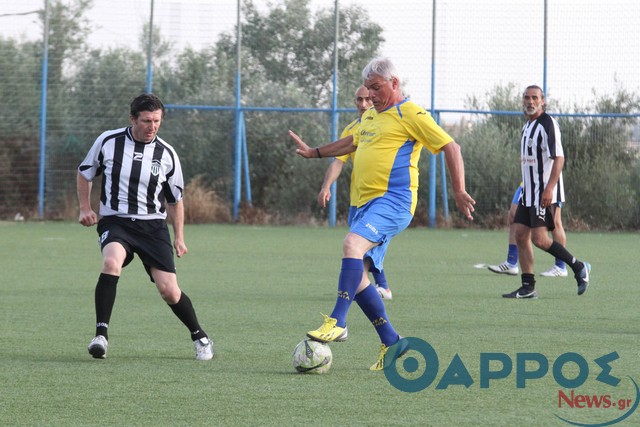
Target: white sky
{"type": "Point", "coordinates": [479, 43]}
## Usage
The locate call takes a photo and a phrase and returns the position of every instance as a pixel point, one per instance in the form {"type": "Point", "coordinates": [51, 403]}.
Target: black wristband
{"type": "Point", "coordinates": [318, 152]}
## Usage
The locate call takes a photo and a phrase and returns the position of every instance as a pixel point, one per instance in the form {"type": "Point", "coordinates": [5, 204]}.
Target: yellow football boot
{"type": "Point", "coordinates": [329, 332]}
{"type": "Point", "coordinates": [379, 365]}
{"type": "Point", "coordinates": [401, 347]}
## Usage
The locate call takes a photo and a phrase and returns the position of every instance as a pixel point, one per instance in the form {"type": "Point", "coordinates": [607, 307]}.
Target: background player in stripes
{"type": "Point", "coordinates": [141, 182]}
{"type": "Point", "coordinates": [542, 159]}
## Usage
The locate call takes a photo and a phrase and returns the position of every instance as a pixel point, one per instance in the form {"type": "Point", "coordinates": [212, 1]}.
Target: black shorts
{"type": "Point", "coordinates": [534, 217]}
{"type": "Point", "coordinates": [150, 239]}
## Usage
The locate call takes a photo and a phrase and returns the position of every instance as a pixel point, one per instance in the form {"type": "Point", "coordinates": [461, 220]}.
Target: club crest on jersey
{"type": "Point", "coordinates": [530, 142]}
{"type": "Point", "coordinates": [155, 167]}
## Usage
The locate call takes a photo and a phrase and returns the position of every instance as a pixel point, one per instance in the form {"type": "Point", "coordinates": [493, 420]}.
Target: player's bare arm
{"type": "Point", "coordinates": [332, 174]}
{"type": "Point", "coordinates": [337, 148]}
{"type": "Point", "coordinates": [176, 215]}
{"type": "Point", "coordinates": [455, 164]}
{"type": "Point", "coordinates": [556, 170]}
{"type": "Point", "coordinates": [87, 216]}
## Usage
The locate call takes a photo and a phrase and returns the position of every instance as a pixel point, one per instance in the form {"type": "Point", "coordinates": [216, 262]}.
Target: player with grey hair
{"type": "Point", "coordinates": [542, 160]}
{"type": "Point", "coordinates": [362, 101]}
{"type": "Point", "coordinates": [382, 67]}
{"type": "Point", "coordinates": [387, 149]}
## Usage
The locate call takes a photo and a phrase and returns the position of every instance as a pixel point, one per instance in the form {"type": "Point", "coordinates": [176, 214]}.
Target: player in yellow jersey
{"type": "Point", "coordinates": [387, 148]}
{"type": "Point", "coordinates": [362, 100]}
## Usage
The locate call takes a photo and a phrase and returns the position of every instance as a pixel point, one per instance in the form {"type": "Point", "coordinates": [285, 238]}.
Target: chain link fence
{"type": "Point", "coordinates": [467, 61]}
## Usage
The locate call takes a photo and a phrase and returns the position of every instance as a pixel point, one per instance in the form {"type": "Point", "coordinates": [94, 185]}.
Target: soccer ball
{"type": "Point", "coordinates": [312, 357]}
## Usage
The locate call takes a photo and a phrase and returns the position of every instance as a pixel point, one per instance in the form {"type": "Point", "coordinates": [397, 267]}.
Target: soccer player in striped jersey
{"type": "Point", "coordinates": [141, 182]}
{"type": "Point", "coordinates": [389, 142]}
{"type": "Point", "coordinates": [363, 102]}
{"type": "Point", "coordinates": [542, 159]}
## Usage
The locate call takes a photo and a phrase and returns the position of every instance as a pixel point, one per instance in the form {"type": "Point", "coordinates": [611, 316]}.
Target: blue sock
{"type": "Point", "coordinates": [560, 264]}
{"type": "Point", "coordinates": [512, 257]}
{"type": "Point", "coordinates": [350, 278]}
{"type": "Point", "coordinates": [380, 279]}
{"type": "Point", "coordinates": [371, 304]}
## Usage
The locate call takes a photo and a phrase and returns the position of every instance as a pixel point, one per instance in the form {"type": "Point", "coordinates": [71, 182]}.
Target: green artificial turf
{"type": "Point", "coordinates": [257, 290]}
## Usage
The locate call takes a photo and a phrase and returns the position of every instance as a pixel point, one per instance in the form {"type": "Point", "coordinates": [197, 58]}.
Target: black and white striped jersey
{"type": "Point", "coordinates": [137, 178]}
{"type": "Point", "coordinates": [539, 145]}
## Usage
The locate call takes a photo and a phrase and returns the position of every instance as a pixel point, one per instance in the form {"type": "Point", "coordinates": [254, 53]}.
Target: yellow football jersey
{"type": "Point", "coordinates": [389, 145]}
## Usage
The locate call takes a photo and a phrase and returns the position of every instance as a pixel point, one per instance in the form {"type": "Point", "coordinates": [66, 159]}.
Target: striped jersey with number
{"type": "Point", "coordinates": [540, 145]}
{"type": "Point", "coordinates": [137, 178]}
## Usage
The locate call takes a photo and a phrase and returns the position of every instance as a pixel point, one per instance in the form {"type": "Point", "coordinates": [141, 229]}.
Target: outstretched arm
{"type": "Point", "coordinates": [337, 148]}
{"type": "Point", "coordinates": [455, 164]}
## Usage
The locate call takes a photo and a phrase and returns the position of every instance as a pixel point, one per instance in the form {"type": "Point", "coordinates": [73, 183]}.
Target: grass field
{"type": "Point", "coordinates": [257, 290]}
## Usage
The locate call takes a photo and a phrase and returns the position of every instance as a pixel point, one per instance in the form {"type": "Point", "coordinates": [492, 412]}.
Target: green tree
{"type": "Point", "coordinates": [293, 68]}
{"type": "Point", "coordinates": [21, 70]}
{"type": "Point", "coordinates": [102, 85]}
{"type": "Point", "coordinates": [67, 32]}
{"type": "Point", "coordinates": [300, 47]}
{"type": "Point", "coordinates": [507, 99]}
{"type": "Point", "coordinates": [600, 170]}
{"type": "Point", "coordinates": [19, 127]}
{"type": "Point", "coordinates": [491, 151]}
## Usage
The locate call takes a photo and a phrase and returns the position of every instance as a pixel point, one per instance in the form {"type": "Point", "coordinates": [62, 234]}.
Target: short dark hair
{"type": "Point", "coordinates": [145, 102]}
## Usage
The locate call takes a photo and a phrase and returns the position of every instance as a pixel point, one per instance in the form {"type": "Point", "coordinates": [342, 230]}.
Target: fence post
{"type": "Point", "coordinates": [43, 110]}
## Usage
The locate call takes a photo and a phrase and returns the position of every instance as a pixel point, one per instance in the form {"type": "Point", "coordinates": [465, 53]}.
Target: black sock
{"type": "Point", "coordinates": [105, 297]}
{"type": "Point", "coordinates": [184, 310]}
{"type": "Point", "coordinates": [560, 252]}
{"type": "Point", "coordinates": [528, 281]}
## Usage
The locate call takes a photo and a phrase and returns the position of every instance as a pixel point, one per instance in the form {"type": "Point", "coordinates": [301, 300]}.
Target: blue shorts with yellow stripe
{"type": "Point", "coordinates": [378, 221]}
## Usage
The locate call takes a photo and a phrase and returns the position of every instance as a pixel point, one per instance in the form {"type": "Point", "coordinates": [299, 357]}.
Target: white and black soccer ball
{"type": "Point", "coordinates": [312, 357]}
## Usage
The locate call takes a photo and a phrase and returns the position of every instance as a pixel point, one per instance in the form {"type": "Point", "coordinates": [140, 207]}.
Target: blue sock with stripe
{"type": "Point", "coordinates": [350, 278]}
{"type": "Point", "coordinates": [373, 307]}
{"type": "Point", "coordinates": [512, 256]}
{"type": "Point", "coordinates": [380, 278]}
